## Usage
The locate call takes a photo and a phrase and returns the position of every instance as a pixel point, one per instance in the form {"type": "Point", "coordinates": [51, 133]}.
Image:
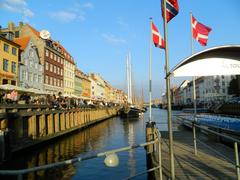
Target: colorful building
{"type": "Point", "coordinates": [69, 73]}
{"type": "Point", "coordinates": [97, 87]}
{"type": "Point", "coordinates": [78, 89]}
{"type": "Point", "coordinates": [50, 55]}
{"type": "Point", "coordinates": [30, 68]}
{"type": "Point", "coordinates": [9, 59]}
{"type": "Point", "coordinates": [82, 85]}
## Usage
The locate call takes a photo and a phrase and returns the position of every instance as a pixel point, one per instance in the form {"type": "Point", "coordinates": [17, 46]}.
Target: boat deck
{"type": "Point", "coordinates": [208, 164]}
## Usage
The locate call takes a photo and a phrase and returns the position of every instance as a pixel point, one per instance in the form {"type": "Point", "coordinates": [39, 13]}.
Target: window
{"type": "Point", "coordinates": [46, 66]}
{"type": "Point", "coordinates": [23, 75]}
{"type": "Point", "coordinates": [31, 53]}
{"type": "Point", "coordinates": [51, 81]}
{"type": "Point", "coordinates": [5, 81]}
{"type": "Point", "coordinates": [30, 63]}
{"type": "Point", "coordinates": [16, 34]}
{"type": "Point", "coordinates": [54, 69]}
{"type": "Point", "coordinates": [40, 79]}
{"type": "Point", "coordinates": [26, 76]}
{"type": "Point", "coordinates": [55, 57]}
{"type": "Point", "coordinates": [50, 67]}
{"type": "Point", "coordinates": [47, 53]}
{"type": "Point", "coordinates": [35, 78]}
{"type": "Point", "coordinates": [55, 82]}
{"type": "Point", "coordinates": [6, 47]}
{"type": "Point", "coordinates": [30, 77]}
{"type": "Point", "coordinates": [51, 55]}
{"type": "Point", "coordinates": [14, 51]}
{"type": "Point", "coordinates": [13, 83]}
{"type": "Point", "coordinates": [5, 65]}
{"type": "Point", "coordinates": [46, 79]}
{"type": "Point", "coordinates": [14, 66]}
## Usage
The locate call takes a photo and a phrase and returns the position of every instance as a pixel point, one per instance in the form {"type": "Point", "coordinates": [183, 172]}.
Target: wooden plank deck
{"type": "Point", "coordinates": [208, 164]}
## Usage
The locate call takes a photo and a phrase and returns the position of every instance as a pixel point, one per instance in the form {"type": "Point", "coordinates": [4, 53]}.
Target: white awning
{"type": "Point", "coordinates": [222, 60]}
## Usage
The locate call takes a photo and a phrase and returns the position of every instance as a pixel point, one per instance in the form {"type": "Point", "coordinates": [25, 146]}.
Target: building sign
{"type": "Point", "coordinates": [215, 61]}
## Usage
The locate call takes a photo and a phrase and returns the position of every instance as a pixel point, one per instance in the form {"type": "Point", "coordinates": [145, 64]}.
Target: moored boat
{"type": "Point", "coordinates": [130, 112]}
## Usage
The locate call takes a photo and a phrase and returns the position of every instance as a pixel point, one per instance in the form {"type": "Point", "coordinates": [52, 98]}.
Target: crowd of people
{"type": "Point", "coordinates": [56, 101]}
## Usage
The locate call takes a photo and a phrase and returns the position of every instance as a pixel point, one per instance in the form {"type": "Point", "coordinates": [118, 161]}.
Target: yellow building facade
{"type": "Point", "coordinates": [9, 61]}
{"type": "Point", "coordinates": [86, 87]}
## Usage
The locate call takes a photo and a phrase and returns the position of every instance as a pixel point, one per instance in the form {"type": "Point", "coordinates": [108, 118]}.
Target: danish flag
{"type": "Point", "coordinates": [156, 37]}
{"type": "Point", "coordinates": [171, 8]}
{"type": "Point", "coordinates": [200, 32]}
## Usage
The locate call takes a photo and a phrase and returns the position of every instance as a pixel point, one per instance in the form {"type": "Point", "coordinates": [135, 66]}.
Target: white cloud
{"type": "Point", "coordinates": [27, 12]}
{"type": "Point", "coordinates": [81, 18]}
{"type": "Point", "coordinates": [17, 2]}
{"type": "Point", "coordinates": [121, 22]}
{"type": "Point", "coordinates": [76, 13]}
{"type": "Point", "coordinates": [113, 39]}
{"type": "Point", "coordinates": [64, 16]}
{"type": "Point", "coordinates": [87, 5]}
{"type": "Point", "coordinates": [17, 6]}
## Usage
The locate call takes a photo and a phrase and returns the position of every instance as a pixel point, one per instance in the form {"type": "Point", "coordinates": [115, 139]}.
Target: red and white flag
{"type": "Point", "coordinates": [200, 32]}
{"type": "Point", "coordinates": [157, 38]}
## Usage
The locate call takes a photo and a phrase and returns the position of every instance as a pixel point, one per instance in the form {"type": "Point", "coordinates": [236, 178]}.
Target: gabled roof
{"type": "Point", "coordinates": [65, 53]}
{"type": "Point", "coordinates": [23, 42]}
{"type": "Point", "coordinates": [37, 33]}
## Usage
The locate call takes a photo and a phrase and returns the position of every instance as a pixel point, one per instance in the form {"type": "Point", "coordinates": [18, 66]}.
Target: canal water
{"type": "Point", "coordinates": [110, 134]}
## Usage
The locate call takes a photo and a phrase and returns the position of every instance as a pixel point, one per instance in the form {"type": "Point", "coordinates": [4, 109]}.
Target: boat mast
{"type": "Point", "coordinates": [130, 77]}
{"type": "Point", "coordinates": [127, 82]}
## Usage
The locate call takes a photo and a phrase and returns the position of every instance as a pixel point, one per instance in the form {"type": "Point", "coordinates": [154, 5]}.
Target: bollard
{"type": "Point", "coordinates": [237, 160]}
{"type": "Point", "coordinates": [160, 155]}
{"type": "Point", "coordinates": [5, 151]}
{"type": "Point", "coordinates": [150, 136]}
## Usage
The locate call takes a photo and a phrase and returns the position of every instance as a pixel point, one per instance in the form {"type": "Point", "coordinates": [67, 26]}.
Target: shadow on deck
{"type": "Point", "coordinates": [214, 160]}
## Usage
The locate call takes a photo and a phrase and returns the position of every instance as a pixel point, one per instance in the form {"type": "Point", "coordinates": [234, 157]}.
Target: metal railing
{"type": "Point", "coordinates": [206, 129]}
{"type": "Point", "coordinates": [19, 173]}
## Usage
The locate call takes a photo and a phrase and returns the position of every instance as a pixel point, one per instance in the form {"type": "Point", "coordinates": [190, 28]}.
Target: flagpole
{"type": "Point", "coordinates": [170, 133]}
{"type": "Point", "coordinates": [194, 89]}
{"type": "Point", "coordinates": [150, 74]}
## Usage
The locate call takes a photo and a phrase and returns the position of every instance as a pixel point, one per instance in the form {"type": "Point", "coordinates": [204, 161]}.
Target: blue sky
{"type": "Point", "coordinates": [99, 34]}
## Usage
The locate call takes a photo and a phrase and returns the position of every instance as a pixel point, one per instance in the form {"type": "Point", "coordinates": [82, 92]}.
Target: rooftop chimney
{"type": "Point", "coordinates": [11, 26]}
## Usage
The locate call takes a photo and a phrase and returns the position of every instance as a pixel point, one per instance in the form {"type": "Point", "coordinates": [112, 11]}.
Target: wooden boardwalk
{"type": "Point", "coordinates": [208, 164]}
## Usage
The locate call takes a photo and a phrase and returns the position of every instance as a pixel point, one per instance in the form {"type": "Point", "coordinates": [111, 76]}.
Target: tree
{"type": "Point", "coordinates": [234, 86]}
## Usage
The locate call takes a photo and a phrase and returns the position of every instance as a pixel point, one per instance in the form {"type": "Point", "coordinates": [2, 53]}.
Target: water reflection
{"type": "Point", "coordinates": [107, 135]}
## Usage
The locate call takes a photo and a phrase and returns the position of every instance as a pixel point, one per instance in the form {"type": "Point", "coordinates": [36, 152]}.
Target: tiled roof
{"type": "Point", "coordinates": [23, 42]}
{"type": "Point", "coordinates": [64, 51]}
{"type": "Point", "coordinates": [37, 33]}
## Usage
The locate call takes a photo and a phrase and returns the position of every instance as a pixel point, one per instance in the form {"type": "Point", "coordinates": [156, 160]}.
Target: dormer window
{"type": "Point", "coordinates": [31, 53]}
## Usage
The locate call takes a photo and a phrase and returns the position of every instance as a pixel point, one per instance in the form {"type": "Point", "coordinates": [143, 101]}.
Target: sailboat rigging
{"type": "Point", "coordinates": [130, 110]}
